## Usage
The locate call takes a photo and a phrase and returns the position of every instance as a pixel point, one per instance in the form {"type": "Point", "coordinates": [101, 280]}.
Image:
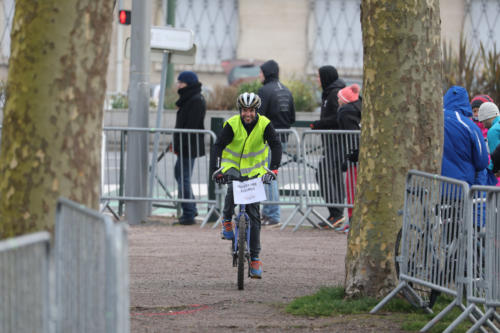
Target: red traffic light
{"type": "Point", "coordinates": [124, 16]}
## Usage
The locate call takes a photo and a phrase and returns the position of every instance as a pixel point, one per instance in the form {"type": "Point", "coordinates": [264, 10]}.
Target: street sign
{"type": "Point", "coordinates": [176, 57]}
{"type": "Point", "coordinates": [171, 39]}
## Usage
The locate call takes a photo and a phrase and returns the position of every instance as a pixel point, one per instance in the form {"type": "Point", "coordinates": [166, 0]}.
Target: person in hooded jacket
{"type": "Point", "coordinates": [187, 147]}
{"type": "Point", "coordinates": [277, 105]}
{"type": "Point", "coordinates": [464, 150]}
{"type": "Point", "coordinates": [329, 172]}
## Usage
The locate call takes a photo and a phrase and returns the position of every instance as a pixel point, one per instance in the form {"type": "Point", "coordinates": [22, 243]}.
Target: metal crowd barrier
{"type": "Point", "coordinates": [167, 160]}
{"type": "Point", "coordinates": [323, 157]}
{"type": "Point", "coordinates": [482, 272]}
{"type": "Point", "coordinates": [24, 283]}
{"type": "Point", "coordinates": [433, 239]}
{"type": "Point", "coordinates": [91, 271]}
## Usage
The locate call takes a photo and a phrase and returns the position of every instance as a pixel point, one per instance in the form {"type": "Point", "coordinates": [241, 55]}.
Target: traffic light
{"type": "Point", "coordinates": [124, 16]}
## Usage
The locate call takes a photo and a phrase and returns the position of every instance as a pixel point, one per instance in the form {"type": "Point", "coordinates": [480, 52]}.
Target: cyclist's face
{"type": "Point", "coordinates": [248, 115]}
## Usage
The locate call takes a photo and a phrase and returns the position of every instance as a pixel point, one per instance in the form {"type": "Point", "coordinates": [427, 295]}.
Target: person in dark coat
{"type": "Point", "coordinates": [187, 147]}
{"type": "Point", "coordinates": [277, 105]}
{"type": "Point", "coordinates": [329, 172]}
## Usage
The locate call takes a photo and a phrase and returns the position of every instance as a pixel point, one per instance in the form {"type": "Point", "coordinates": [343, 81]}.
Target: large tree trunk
{"type": "Point", "coordinates": [402, 129]}
{"type": "Point", "coordinates": [51, 135]}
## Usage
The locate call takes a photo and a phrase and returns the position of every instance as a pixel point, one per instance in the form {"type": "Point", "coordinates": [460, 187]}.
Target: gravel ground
{"type": "Point", "coordinates": [182, 280]}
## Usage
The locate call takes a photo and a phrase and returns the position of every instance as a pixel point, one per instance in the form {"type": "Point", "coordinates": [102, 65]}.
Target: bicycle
{"type": "Point", "coordinates": [240, 247]}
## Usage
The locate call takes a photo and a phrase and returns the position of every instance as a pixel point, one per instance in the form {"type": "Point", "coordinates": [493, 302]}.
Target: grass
{"type": "Point", "coordinates": [329, 301]}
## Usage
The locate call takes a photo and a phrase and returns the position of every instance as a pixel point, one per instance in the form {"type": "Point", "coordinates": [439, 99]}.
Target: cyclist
{"type": "Point", "coordinates": [241, 150]}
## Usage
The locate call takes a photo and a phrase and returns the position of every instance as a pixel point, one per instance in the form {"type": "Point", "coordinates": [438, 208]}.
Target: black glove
{"type": "Point", "coordinates": [269, 177]}
{"type": "Point", "coordinates": [220, 178]}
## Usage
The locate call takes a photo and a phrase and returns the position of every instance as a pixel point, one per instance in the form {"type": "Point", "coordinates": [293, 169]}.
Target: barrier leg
{"type": "Point", "coordinates": [479, 314]}
{"type": "Point", "coordinates": [388, 297]}
{"type": "Point", "coordinates": [319, 216]}
{"type": "Point", "coordinates": [296, 209]}
{"type": "Point", "coordinates": [306, 214]}
{"type": "Point", "coordinates": [482, 320]}
{"type": "Point", "coordinates": [440, 316]}
{"type": "Point", "coordinates": [219, 221]}
{"type": "Point", "coordinates": [209, 214]}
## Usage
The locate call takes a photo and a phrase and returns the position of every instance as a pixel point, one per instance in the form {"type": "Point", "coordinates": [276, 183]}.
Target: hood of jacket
{"type": "Point", "coordinates": [335, 85]}
{"type": "Point", "coordinates": [457, 99]}
{"type": "Point", "coordinates": [271, 70]}
{"type": "Point", "coordinates": [327, 75]}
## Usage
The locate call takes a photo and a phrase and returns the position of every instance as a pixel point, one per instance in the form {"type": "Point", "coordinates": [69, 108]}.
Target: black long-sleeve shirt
{"type": "Point", "coordinates": [226, 136]}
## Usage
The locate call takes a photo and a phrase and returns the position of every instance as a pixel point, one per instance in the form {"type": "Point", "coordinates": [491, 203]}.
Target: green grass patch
{"type": "Point", "coordinates": [329, 301]}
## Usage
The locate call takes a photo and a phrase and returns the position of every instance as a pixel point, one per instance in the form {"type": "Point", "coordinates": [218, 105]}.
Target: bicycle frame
{"type": "Point", "coordinates": [244, 214]}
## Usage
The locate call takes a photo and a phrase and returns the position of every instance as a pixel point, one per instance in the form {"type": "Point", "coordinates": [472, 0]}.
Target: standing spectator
{"type": "Point", "coordinates": [277, 106]}
{"type": "Point", "coordinates": [349, 118]}
{"type": "Point", "coordinates": [190, 115]}
{"type": "Point", "coordinates": [475, 103]}
{"type": "Point", "coordinates": [464, 150]}
{"type": "Point", "coordinates": [489, 116]}
{"type": "Point", "coordinates": [329, 172]}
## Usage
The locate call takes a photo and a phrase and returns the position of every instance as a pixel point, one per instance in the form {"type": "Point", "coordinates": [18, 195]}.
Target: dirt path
{"type": "Point", "coordinates": [182, 280]}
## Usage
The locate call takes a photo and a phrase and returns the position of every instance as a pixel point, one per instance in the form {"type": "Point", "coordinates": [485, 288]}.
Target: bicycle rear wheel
{"type": "Point", "coordinates": [241, 252]}
{"type": "Point", "coordinates": [428, 295]}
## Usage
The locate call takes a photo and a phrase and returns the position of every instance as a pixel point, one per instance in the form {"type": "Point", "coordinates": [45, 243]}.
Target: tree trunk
{"type": "Point", "coordinates": [51, 136]}
{"type": "Point", "coordinates": [402, 129]}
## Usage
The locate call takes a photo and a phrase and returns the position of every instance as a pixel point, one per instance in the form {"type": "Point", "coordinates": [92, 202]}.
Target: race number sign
{"type": "Point", "coordinates": [249, 191]}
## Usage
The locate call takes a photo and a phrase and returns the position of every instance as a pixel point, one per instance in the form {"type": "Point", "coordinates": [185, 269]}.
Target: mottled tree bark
{"type": "Point", "coordinates": [51, 136]}
{"type": "Point", "coordinates": [402, 129]}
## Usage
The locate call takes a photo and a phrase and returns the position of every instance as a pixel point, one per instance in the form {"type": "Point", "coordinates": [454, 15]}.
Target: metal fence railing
{"type": "Point", "coordinates": [80, 284]}
{"type": "Point", "coordinates": [314, 171]}
{"type": "Point", "coordinates": [482, 271]}
{"type": "Point", "coordinates": [24, 283]}
{"type": "Point", "coordinates": [450, 240]}
{"type": "Point", "coordinates": [91, 270]}
{"type": "Point", "coordinates": [178, 168]}
{"type": "Point", "coordinates": [324, 170]}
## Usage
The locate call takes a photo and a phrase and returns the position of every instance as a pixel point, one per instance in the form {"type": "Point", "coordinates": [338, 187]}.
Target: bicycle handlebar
{"type": "Point", "coordinates": [229, 178]}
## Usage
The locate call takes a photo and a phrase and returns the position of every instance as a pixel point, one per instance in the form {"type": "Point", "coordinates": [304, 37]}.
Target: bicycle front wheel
{"type": "Point", "coordinates": [241, 252]}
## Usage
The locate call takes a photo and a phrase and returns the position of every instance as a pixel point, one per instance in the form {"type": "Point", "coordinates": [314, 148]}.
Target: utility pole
{"type": "Point", "coordinates": [138, 116]}
{"type": "Point", "coordinates": [171, 22]}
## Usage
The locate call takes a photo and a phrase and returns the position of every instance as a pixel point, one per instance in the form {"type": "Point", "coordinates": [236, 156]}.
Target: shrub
{"type": "Point", "coordinates": [478, 72]}
{"type": "Point", "coordinates": [119, 101]}
{"type": "Point", "coordinates": [223, 98]}
{"type": "Point", "coordinates": [303, 95]}
{"type": "Point", "coordinates": [252, 86]}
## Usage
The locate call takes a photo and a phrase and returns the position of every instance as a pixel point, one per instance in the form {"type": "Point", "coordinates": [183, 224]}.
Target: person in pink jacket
{"type": "Point", "coordinates": [475, 103]}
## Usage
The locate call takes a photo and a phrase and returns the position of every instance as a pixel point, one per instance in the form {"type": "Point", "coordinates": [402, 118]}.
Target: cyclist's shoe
{"type": "Point", "coordinates": [227, 230]}
{"type": "Point", "coordinates": [256, 268]}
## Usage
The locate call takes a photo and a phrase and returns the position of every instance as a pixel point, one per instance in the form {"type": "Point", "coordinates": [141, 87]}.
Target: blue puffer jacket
{"type": "Point", "coordinates": [464, 151]}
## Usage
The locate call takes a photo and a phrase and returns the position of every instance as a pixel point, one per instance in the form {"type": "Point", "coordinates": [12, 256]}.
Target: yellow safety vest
{"type": "Point", "coordinates": [246, 153]}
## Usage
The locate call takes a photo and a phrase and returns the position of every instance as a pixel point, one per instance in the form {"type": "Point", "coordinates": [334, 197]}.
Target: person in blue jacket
{"type": "Point", "coordinates": [464, 153]}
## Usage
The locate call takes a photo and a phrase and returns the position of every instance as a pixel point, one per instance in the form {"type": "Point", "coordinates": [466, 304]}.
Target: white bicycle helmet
{"type": "Point", "coordinates": [248, 100]}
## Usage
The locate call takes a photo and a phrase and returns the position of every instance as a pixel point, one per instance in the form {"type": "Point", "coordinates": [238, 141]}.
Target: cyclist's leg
{"type": "Point", "coordinates": [254, 215]}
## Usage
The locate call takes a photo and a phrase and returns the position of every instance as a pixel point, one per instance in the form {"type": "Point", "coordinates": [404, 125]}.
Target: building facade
{"type": "Point", "coordinates": [301, 35]}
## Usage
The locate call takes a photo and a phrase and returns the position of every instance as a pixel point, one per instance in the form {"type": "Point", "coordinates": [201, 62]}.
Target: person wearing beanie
{"type": "Point", "coordinates": [489, 116]}
{"type": "Point", "coordinates": [464, 151]}
{"type": "Point", "coordinates": [349, 119]}
{"type": "Point", "coordinates": [188, 77]}
{"type": "Point", "coordinates": [329, 172]}
{"type": "Point", "coordinates": [475, 103]}
{"type": "Point", "coordinates": [190, 115]}
{"type": "Point", "coordinates": [278, 106]}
